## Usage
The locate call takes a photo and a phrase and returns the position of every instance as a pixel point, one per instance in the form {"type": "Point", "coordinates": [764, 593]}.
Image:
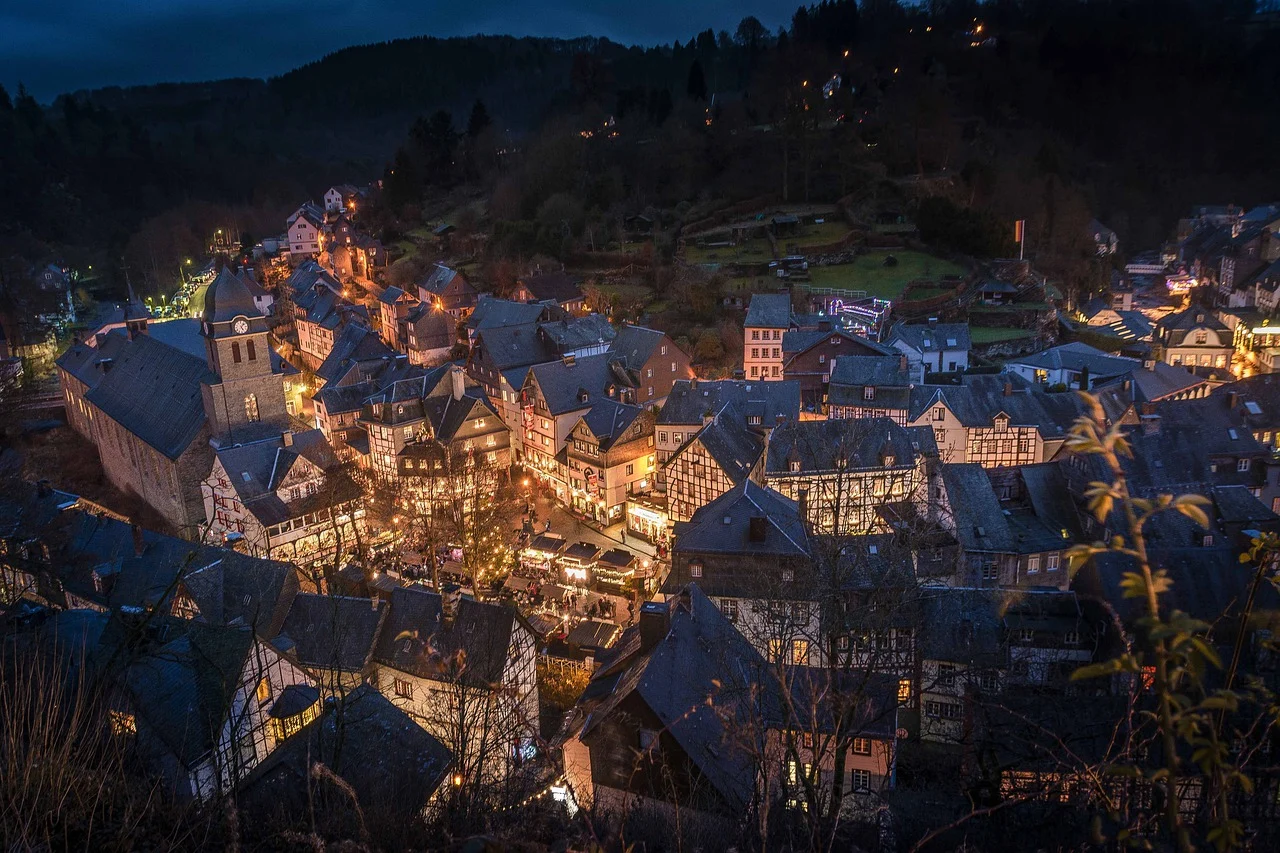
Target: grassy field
{"type": "Point", "coordinates": [751, 250]}
{"type": "Point", "coordinates": [815, 235]}
{"type": "Point", "coordinates": [870, 274]}
{"type": "Point", "coordinates": [995, 335]}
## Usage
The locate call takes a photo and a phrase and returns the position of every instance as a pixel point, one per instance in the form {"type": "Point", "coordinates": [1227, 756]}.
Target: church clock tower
{"type": "Point", "coordinates": [244, 399]}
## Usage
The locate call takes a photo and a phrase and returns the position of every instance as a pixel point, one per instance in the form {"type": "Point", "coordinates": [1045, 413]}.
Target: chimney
{"type": "Point", "coordinates": [902, 363]}
{"type": "Point", "coordinates": [139, 545]}
{"type": "Point", "coordinates": [1232, 398]}
{"type": "Point", "coordinates": [933, 322]}
{"type": "Point", "coordinates": [654, 624]}
{"type": "Point", "coordinates": [373, 601]}
{"type": "Point", "coordinates": [1008, 389]}
{"type": "Point", "coordinates": [450, 595]}
{"type": "Point", "coordinates": [569, 360]}
{"type": "Point", "coordinates": [1151, 424]}
{"type": "Point", "coordinates": [757, 529]}
{"type": "Point", "coordinates": [459, 382]}
{"type": "Point", "coordinates": [236, 542]}
{"type": "Point", "coordinates": [287, 438]}
{"type": "Point", "coordinates": [104, 364]}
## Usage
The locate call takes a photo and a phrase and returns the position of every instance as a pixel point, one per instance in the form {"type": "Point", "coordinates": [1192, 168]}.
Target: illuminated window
{"type": "Point", "coordinates": [122, 723]}
{"type": "Point", "coordinates": [1033, 564]}
{"type": "Point", "coordinates": [251, 408]}
{"type": "Point", "coordinates": [1051, 563]}
{"type": "Point", "coordinates": [799, 652]}
{"type": "Point", "coordinates": [861, 746]}
{"type": "Point", "coordinates": [264, 690]}
{"type": "Point", "coordinates": [403, 689]}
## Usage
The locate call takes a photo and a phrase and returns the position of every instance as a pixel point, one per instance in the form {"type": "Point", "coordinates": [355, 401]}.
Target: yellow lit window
{"type": "Point", "coordinates": [122, 723]}
{"type": "Point", "coordinates": [264, 690]}
{"type": "Point", "coordinates": [904, 690]}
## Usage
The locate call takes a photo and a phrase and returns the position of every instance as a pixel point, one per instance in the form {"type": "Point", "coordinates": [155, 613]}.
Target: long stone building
{"type": "Point", "coordinates": [158, 398]}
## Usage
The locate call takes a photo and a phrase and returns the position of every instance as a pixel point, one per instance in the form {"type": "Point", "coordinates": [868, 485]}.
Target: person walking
{"type": "Point", "coordinates": [624, 535]}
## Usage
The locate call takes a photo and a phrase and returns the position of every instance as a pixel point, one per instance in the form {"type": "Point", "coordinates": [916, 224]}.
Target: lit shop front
{"type": "Point", "coordinates": [647, 518]}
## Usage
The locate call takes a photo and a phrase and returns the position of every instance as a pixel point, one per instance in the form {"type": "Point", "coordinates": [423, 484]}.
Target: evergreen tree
{"type": "Point", "coordinates": [479, 120]}
{"type": "Point", "coordinates": [697, 85]}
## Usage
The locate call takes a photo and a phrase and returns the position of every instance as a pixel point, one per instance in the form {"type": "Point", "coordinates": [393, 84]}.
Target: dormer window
{"type": "Point", "coordinates": [795, 466]}
{"type": "Point", "coordinates": [1002, 423]}
{"type": "Point", "coordinates": [869, 392]}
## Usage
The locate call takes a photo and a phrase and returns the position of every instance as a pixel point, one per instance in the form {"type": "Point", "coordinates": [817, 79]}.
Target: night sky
{"type": "Point", "coordinates": [55, 46]}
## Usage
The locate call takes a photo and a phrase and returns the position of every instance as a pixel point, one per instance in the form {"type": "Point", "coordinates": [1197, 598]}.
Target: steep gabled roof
{"type": "Point", "coordinates": [153, 391]}
{"type": "Point", "coordinates": [690, 401]}
{"type": "Point", "coordinates": [735, 447]}
{"type": "Point", "coordinates": [723, 526]}
{"type": "Point", "coordinates": [841, 444]}
{"type": "Point", "coordinates": [417, 640]}
{"type": "Point", "coordinates": [769, 310]}
{"type": "Point", "coordinates": [332, 632]}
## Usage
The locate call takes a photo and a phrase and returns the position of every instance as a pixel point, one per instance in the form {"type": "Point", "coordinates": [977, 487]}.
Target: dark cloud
{"type": "Point", "coordinates": [55, 46]}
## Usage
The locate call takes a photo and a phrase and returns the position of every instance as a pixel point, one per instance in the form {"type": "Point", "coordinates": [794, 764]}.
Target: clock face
{"type": "Point", "coordinates": [240, 326]}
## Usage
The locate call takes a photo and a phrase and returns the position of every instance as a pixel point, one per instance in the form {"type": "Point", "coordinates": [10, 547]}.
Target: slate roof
{"type": "Point", "coordinates": [690, 400]}
{"type": "Point", "coordinates": [980, 523]}
{"type": "Point", "coordinates": [438, 279]}
{"type": "Point", "coordinates": [339, 399]}
{"type": "Point", "coordinates": [851, 374]}
{"type": "Point", "coordinates": [925, 337]}
{"type": "Point", "coordinates": [153, 391]}
{"type": "Point", "coordinates": [557, 286]}
{"type": "Point", "coordinates": [735, 447]}
{"type": "Point", "coordinates": [492, 312]}
{"type": "Point", "coordinates": [391, 764]}
{"type": "Point", "coordinates": [1077, 356]}
{"type": "Point", "coordinates": [391, 295]}
{"type": "Point", "coordinates": [964, 625]}
{"type": "Point", "coordinates": [513, 346]}
{"type": "Point", "coordinates": [228, 297]}
{"type": "Point", "coordinates": [416, 640]}
{"type": "Point", "coordinates": [355, 345]}
{"type": "Point", "coordinates": [572, 333]}
{"type": "Point", "coordinates": [770, 310]}
{"type": "Point", "coordinates": [841, 444]}
{"type": "Point", "coordinates": [980, 397]}
{"type": "Point", "coordinates": [635, 345]}
{"type": "Point", "coordinates": [563, 385]}
{"type": "Point", "coordinates": [798, 341]}
{"type": "Point", "coordinates": [1237, 505]}
{"type": "Point", "coordinates": [1175, 327]}
{"type": "Point", "coordinates": [609, 421]}
{"type": "Point", "coordinates": [256, 470]}
{"type": "Point", "coordinates": [332, 632]}
{"type": "Point", "coordinates": [706, 684]}
{"type": "Point", "coordinates": [709, 532]}
{"type": "Point", "coordinates": [180, 688]}
{"type": "Point", "coordinates": [1208, 583]}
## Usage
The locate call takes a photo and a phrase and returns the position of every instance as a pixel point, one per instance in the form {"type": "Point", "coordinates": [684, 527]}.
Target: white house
{"type": "Point", "coordinates": [305, 231]}
{"type": "Point", "coordinates": [932, 347]}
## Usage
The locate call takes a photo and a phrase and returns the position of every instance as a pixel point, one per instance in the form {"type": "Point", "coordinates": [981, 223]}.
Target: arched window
{"type": "Point", "coordinates": [235, 352]}
{"type": "Point", "coordinates": [253, 354]}
{"type": "Point", "coordinates": [251, 408]}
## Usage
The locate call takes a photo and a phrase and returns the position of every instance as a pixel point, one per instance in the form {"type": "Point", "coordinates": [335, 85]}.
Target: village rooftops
{"type": "Point", "coordinates": [981, 397]}
{"type": "Point", "coordinates": [748, 520]}
{"type": "Point", "coordinates": [331, 632]}
{"type": "Point", "coordinates": [735, 447]}
{"type": "Point", "coordinates": [356, 344]}
{"type": "Point", "coordinates": [698, 675]}
{"type": "Point", "coordinates": [383, 757]}
{"type": "Point", "coordinates": [843, 444]}
{"type": "Point", "coordinates": [418, 638]}
{"type": "Point", "coordinates": [492, 312]}
{"type": "Point", "coordinates": [692, 401]}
